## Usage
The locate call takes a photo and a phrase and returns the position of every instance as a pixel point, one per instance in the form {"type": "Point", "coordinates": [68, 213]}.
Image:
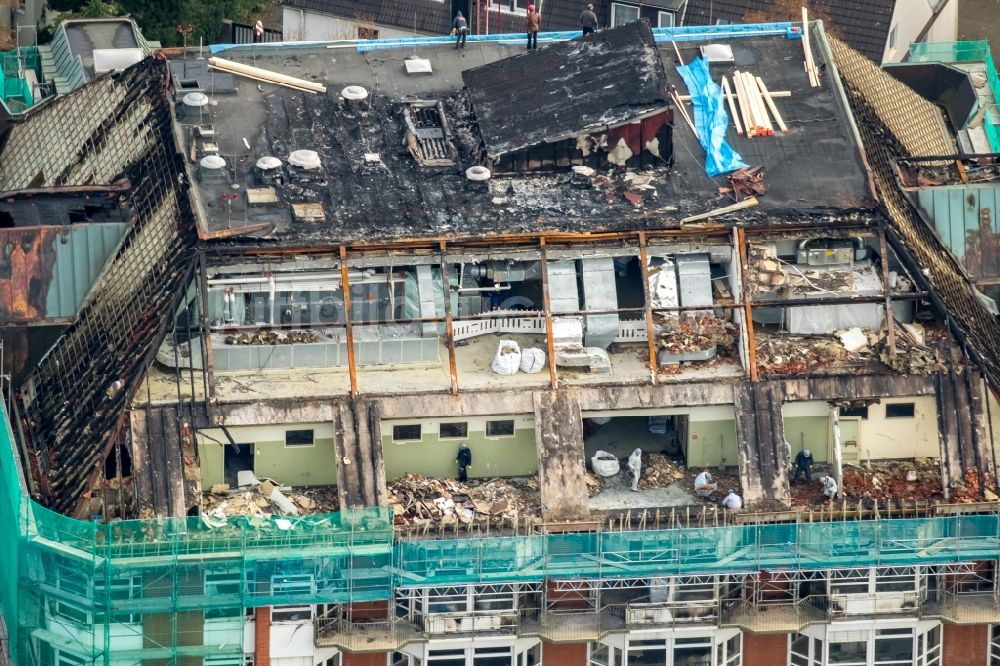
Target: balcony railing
{"type": "Point", "coordinates": [883, 603]}
{"type": "Point", "coordinates": [964, 608]}
{"type": "Point", "coordinates": [466, 622]}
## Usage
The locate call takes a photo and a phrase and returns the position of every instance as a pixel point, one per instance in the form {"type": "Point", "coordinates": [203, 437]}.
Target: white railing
{"type": "Point", "coordinates": [628, 331]}
{"type": "Point", "coordinates": [873, 604]}
{"type": "Point", "coordinates": [671, 612]}
{"type": "Point", "coordinates": [474, 621]}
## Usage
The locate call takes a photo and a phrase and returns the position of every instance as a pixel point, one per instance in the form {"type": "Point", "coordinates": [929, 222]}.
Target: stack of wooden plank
{"type": "Point", "coordinates": [752, 106]}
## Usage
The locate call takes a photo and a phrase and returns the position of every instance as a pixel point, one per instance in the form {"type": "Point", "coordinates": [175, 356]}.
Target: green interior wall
{"type": "Point", "coordinates": [293, 465]}
{"type": "Point", "coordinates": [432, 456]}
{"type": "Point", "coordinates": [712, 443]}
{"type": "Point", "coordinates": [810, 432]}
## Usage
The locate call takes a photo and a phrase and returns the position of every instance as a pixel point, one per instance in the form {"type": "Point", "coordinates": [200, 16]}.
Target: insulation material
{"type": "Point", "coordinates": [710, 118]}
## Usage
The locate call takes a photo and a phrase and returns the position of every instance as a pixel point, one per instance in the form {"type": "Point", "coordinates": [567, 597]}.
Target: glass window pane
{"type": "Point", "coordinates": [849, 652]}
{"type": "Point", "coordinates": [893, 650]}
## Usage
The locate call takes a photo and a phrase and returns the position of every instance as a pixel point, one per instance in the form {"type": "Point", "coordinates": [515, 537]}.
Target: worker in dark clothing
{"type": "Point", "coordinates": [588, 20]}
{"type": "Point", "coordinates": [460, 28]}
{"type": "Point", "coordinates": [532, 24]}
{"type": "Point", "coordinates": [464, 460]}
{"type": "Point", "coordinates": [803, 466]}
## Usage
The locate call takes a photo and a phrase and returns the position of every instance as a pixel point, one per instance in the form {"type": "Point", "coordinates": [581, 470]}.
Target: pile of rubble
{"type": "Point", "coordinates": [678, 335]}
{"type": "Point", "coordinates": [425, 501]}
{"type": "Point", "coordinates": [793, 354]}
{"type": "Point", "coordinates": [919, 351]}
{"type": "Point", "coordinates": [973, 489]}
{"type": "Point", "coordinates": [659, 471]}
{"type": "Point", "coordinates": [906, 479]}
{"type": "Point", "coordinates": [268, 337]}
{"type": "Point", "coordinates": [266, 498]}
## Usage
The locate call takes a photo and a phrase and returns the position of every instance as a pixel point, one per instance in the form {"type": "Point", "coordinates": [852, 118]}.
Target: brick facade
{"type": "Point", "coordinates": [765, 649]}
{"type": "Point", "coordinates": [964, 645]}
{"type": "Point", "coordinates": [564, 654]}
{"type": "Point", "coordinates": [262, 636]}
{"type": "Point", "coordinates": [372, 659]}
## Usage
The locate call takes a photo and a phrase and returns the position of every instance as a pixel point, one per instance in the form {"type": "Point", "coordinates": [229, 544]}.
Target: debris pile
{"type": "Point", "coordinates": [974, 489]}
{"type": "Point", "coordinates": [267, 498]}
{"type": "Point", "coordinates": [268, 337]}
{"type": "Point", "coordinates": [678, 335]}
{"type": "Point", "coordinates": [658, 471]}
{"type": "Point", "coordinates": [907, 479]}
{"type": "Point", "coordinates": [913, 355]}
{"type": "Point", "coordinates": [425, 501]}
{"type": "Point", "coordinates": [793, 354]}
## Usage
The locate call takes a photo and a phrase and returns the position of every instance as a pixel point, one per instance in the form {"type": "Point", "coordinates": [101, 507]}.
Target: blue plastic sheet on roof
{"type": "Point", "coordinates": [710, 118]}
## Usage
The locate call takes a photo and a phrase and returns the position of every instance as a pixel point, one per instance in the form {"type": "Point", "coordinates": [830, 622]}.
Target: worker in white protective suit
{"type": "Point", "coordinates": [829, 486]}
{"type": "Point", "coordinates": [704, 485]}
{"type": "Point", "coordinates": [732, 501]}
{"type": "Point", "coordinates": [635, 468]}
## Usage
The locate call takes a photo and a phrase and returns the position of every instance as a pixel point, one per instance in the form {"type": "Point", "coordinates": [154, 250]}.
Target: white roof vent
{"type": "Point", "coordinates": [354, 93]}
{"type": "Point", "coordinates": [212, 162]}
{"type": "Point", "coordinates": [717, 53]}
{"type": "Point", "coordinates": [267, 163]}
{"type": "Point", "coordinates": [195, 99]}
{"type": "Point", "coordinates": [477, 173]}
{"type": "Point", "coordinates": [304, 159]}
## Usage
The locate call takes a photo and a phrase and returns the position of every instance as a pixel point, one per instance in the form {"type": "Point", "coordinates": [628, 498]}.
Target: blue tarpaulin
{"type": "Point", "coordinates": [710, 118]}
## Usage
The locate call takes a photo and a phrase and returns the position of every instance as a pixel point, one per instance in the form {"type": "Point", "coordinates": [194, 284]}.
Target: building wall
{"type": "Point", "coordinates": [764, 649]}
{"type": "Point", "coordinates": [564, 654]}
{"type": "Point", "coordinates": [374, 659]}
{"type": "Point", "coordinates": [300, 25]}
{"type": "Point", "coordinates": [964, 645]}
{"type": "Point", "coordinates": [433, 456]}
{"type": "Point", "coordinates": [910, 17]}
{"type": "Point", "coordinates": [295, 465]}
{"type": "Point", "coordinates": [712, 443]}
{"type": "Point", "coordinates": [879, 438]}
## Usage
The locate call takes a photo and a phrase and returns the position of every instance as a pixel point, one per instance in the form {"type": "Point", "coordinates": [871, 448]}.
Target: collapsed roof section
{"type": "Point", "coordinates": [895, 123]}
{"type": "Point", "coordinates": [568, 89]}
{"type": "Point", "coordinates": [75, 400]}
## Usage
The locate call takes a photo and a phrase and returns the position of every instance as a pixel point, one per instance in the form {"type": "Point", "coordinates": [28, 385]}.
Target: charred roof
{"type": "Point", "coordinates": [370, 187]}
{"type": "Point", "coordinates": [568, 88]}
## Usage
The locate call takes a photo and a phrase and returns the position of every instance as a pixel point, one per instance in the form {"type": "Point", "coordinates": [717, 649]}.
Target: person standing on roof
{"type": "Point", "coordinates": [464, 460]}
{"type": "Point", "coordinates": [803, 466]}
{"type": "Point", "coordinates": [460, 28]}
{"type": "Point", "coordinates": [258, 32]}
{"type": "Point", "coordinates": [532, 24]}
{"type": "Point", "coordinates": [635, 468]}
{"type": "Point", "coordinates": [588, 20]}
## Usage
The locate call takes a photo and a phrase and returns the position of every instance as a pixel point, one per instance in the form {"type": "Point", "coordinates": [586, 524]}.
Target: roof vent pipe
{"type": "Point", "coordinates": [477, 174]}
{"type": "Point", "coordinates": [354, 93]}
{"type": "Point", "coordinates": [304, 159]}
{"type": "Point", "coordinates": [268, 163]}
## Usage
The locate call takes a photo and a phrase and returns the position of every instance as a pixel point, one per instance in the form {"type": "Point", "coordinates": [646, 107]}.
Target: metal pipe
{"type": "Point", "coordinates": [547, 310]}
{"type": "Point", "coordinates": [351, 363]}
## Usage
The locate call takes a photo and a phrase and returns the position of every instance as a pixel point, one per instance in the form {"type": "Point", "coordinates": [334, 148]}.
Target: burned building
{"type": "Point", "coordinates": [361, 380]}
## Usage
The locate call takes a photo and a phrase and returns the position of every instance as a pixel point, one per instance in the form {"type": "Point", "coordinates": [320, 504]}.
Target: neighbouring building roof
{"type": "Point", "coordinates": [568, 88]}
{"type": "Point", "coordinates": [419, 15]}
{"type": "Point", "coordinates": [862, 24]}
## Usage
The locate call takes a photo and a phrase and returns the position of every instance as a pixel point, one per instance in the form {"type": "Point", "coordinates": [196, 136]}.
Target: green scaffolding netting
{"type": "Point", "coordinates": [174, 591]}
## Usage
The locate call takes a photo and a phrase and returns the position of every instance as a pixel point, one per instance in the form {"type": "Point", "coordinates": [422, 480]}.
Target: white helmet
{"type": "Point", "coordinates": [807, 453]}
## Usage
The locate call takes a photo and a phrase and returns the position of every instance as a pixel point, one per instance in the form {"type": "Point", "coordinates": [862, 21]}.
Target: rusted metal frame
{"type": "Point", "coordinates": [890, 319]}
{"type": "Point", "coordinates": [837, 300]}
{"type": "Point", "coordinates": [525, 241]}
{"type": "Point", "coordinates": [207, 357]}
{"type": "Point", "coordinates": [486, 316]}
{"type": "Point", "coordinates": [648, 308]}
{"type": "Point", "coordinates": [117, 187]}
{"type": "Point", "coordinates": [741, 240]}
{"type": "Point", "coordinates": [547, 311]}
{"type": "Point", "coordinates": [448, 327]}
{"type": "Point", "coordinates": [352, 367]}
